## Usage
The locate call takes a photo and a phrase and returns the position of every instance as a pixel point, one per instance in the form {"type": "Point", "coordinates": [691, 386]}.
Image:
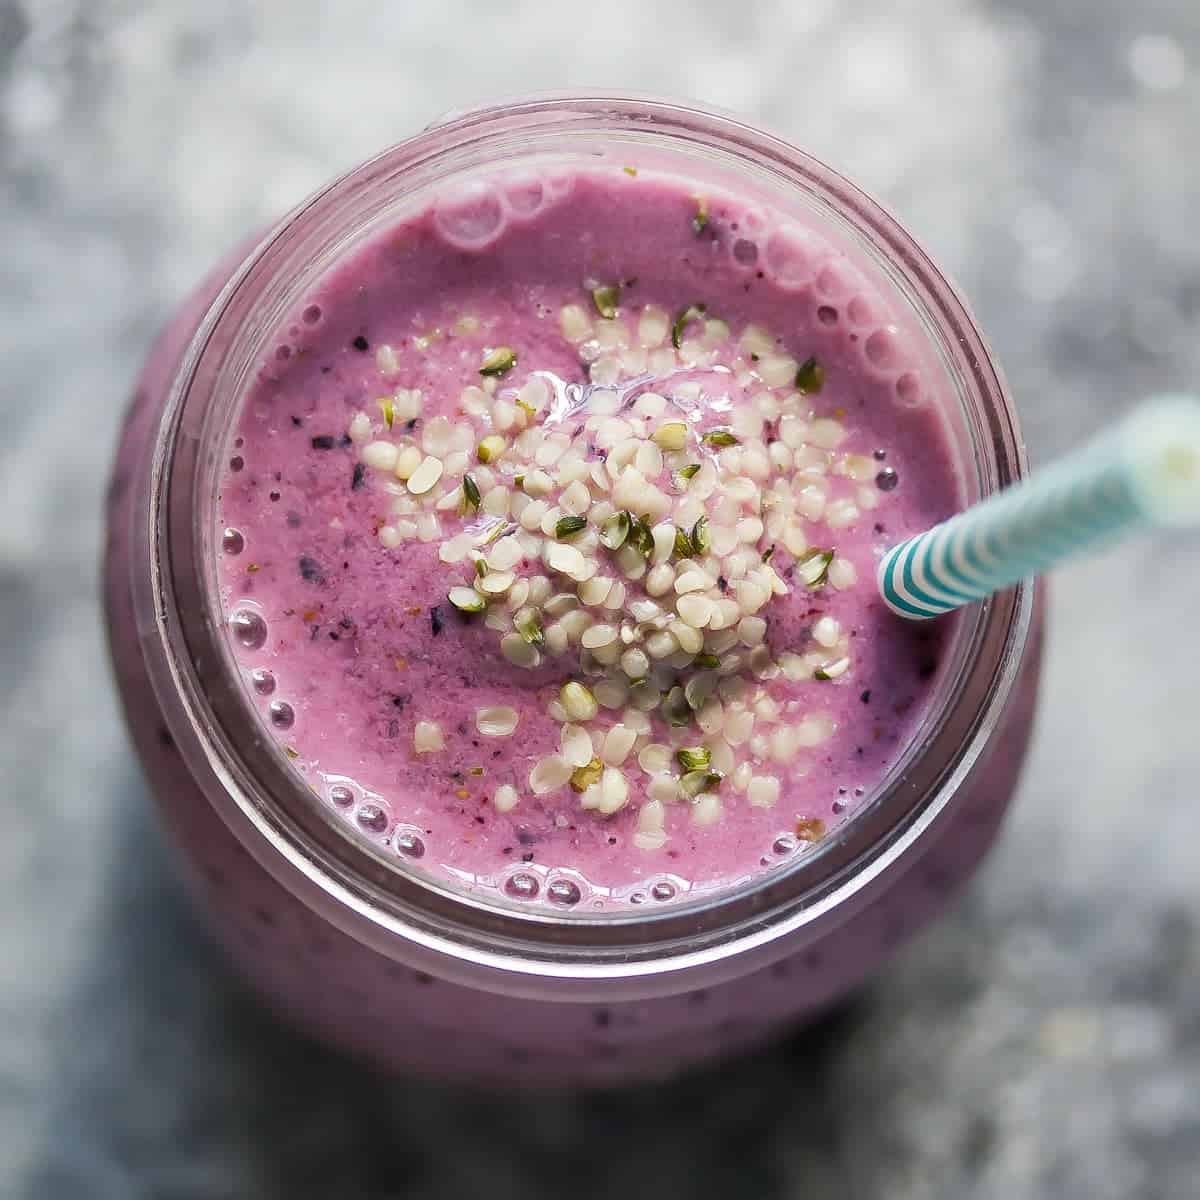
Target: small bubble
{"type": "Point", "coordinates": [908, 389]}
{"type": "Point", "coordinates": [564, 891]}
{"type": "Point", "coordinates": [638, 898]}
{"type": "Point", "coordinates": [408, 844]}
{"type": "Point", "coordinates": [249, 628]}
{"type": "Point", "coordinates": [282, 714]}
{"type": "Point", "coordinates": [283, 353]}
{"type": "Point", "coordinates": [745, 252]}
{"type": "Point", "coordinates": [372, 818]}
{"type": "Point", "coordinates": [522, 886]}
{"type": "Point", "coordinates": [262, 681]}
{"type": "Point", "coordinates": [232, 541]}
{"type": "Point", "coordinates": [880, 455]}
{"type": "Point", "coordinates": [887, 479]}
{"type": "Point", "coordinates": [827, 314]}
{"type": "Point", "coordinates": [841, 804]}
{"type": "Point", "coordinates": [237, 462]}
{"type": "Point", "coordinates": [341, 795]}
{"type": "Point", "coordinates": [312, 314]}
{"type": "Point", "coordinates": [784, 844]}
{"type": "Point", "coordinates": [880, 348]}
{"type": "Point", "coordinates": [663, 891]}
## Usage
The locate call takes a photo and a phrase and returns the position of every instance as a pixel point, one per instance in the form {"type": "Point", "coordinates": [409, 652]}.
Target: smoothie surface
{"type": "Point", "coordinates": [549, 533]}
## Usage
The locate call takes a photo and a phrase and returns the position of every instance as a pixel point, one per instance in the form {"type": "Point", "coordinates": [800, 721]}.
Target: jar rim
{"type": "Point", "coordinates": [314, 854]}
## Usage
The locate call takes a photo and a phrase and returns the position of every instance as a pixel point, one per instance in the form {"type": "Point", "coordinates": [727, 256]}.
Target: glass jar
{"type": "Point", "coordinates": [376, 957]}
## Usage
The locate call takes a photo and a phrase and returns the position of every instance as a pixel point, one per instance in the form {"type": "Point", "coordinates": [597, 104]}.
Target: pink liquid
{"type": "Point", "coordinates": [362, 643]}
{"type": "Point", "coordinates": [392, 1008]}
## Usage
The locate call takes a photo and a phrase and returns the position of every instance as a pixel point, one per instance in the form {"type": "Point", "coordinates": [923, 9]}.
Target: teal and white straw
{"type": "Point", "coordinates": [1144, 472]}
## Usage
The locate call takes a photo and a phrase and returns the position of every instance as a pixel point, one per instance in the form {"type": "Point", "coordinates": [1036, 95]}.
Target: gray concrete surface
{"type": "Point", "coordinates": [1044, 1041]}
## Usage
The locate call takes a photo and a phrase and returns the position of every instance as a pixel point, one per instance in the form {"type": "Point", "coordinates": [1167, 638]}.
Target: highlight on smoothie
{"type": "Point", "coordinates": [549, 530]}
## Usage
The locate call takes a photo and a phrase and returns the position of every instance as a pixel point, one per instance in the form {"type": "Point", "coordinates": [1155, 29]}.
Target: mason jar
{"type": "Point", "coordinates": [370, 953]}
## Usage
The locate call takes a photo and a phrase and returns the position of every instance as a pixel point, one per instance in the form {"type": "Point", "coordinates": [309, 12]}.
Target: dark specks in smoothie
{"type": "Point", "coordinates": [310, 570]}
{"type": "Point", "coordinates": [358, 477]}
{"type": "Point", "coordinates": [274, 497]}
{"type": "Point", "coordinates": [297, 421]}
{"type": "Point", "coordinates": [361, 344]}
{"type": "Point", "coordinates": [865, 696]}
{"type": "Point", "coordinates": [436, 624]}
{"type": "Point", "coordinates": [926, 667]}
{"type": "Point", "coordinates": [324, 441]}
{"type": "Point", "coordinates": [237, 462]}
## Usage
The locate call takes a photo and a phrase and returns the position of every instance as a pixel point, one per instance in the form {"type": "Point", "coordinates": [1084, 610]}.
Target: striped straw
{"type": "Point", "coordinates": [1144, 472]}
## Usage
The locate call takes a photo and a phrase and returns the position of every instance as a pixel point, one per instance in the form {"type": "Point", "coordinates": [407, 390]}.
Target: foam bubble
{"type": "Point", "coordinates": [791, 256]}
{"type": "Point", "coordinates": [372, 818]}
{"type": "Point", "coordinates": [524, 196]}
{"type": "Point", "coordinates": [909, 391]}
{"type": "Point", "coordinates": [745, 252]}
{"type": "Point", "coordinates": [564, 891]}
{"type": "Point", "coordinates": [409, 842]}
{"type": "Point", "coordinates": [472, 219]}
{"type": "Point", "coordinates": [863, 311]}
{"type": "Point", "coordinates": [522, 886]}
{"type": "Point", "coordinates": [248, 628]}
{"type": "Point", "coordinates": [262, 681]}
{"type": "Point", "coordinates": [881, 348]}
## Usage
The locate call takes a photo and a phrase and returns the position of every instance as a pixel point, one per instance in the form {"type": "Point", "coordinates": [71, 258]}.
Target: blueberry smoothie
{"type": "Point", "coordinates": [549, 529]}
{"type": "Point", "coordinates": [490, 592]}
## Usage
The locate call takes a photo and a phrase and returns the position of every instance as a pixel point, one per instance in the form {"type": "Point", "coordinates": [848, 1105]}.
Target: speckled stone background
{"type": "Point", "coordinates": [1043, 1041]}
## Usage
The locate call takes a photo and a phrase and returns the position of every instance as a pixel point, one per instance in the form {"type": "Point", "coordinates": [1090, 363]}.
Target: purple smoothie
{"type": "Point", "coordinates": [547, 374]}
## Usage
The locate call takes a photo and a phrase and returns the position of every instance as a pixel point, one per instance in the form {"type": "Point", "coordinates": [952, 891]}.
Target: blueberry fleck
{"type": "Point", "coordinates": [400, 700]}
{"type": "Point", "coordinates": [297, 421]}
{"type": "Point", "coordinates": [323, 441]}
{"type": "Point", "coordinates": [361, 343]}
{"type": "Point", "coordinates": [866, 696]}
{"type": "Point", "coordinates": [435, 620]}
{"type": "Point", "coordinates": [310, 570]}
{"type": "Point", "coordinates": [359, 477]}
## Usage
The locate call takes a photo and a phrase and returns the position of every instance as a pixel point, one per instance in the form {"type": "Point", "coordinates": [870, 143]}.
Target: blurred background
{"type": "Point", "coordinates": [1044, 1040]}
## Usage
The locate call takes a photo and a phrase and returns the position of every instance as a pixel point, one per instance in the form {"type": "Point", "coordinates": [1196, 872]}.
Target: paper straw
{"type": "Point", "coordinates": [1144, 472]}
